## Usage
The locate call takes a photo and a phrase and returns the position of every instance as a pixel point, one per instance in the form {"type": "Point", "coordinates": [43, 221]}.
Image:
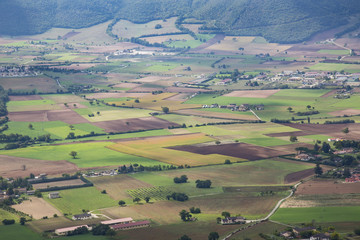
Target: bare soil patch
{"type": "Point", "coordinates": [178, 97]}
{"type": "Point", "coordinates": [67, 116]}
{"type": "Point", "coordinates": [25, 98]}
{"type": "Point", "coordinates": [151, 79]}
{"type": "Point", "coordinates": [239, 150]}
{"type": "Point", "coordinates": [329, 93]}
{"type": "Point", "coordinates": [78, 66]}
{"type": "Point", "coordinates": [319, 187]}
{"type": "Point", "coordinates": [37, 207]}
{"type": "Point", "coordinates": [132, 124]}
{"type": "Point", "coordinates": [126, 85]}
{"type": "Point", "coordinates": [72, 182]}
{"type": "Point", "coordinates": [297, 176]}
{"type": "Point", "coordinates": [253, 94]}
{"type": "Point", "coordinates": [13, 166]}
{"type": "Point", "coordinates": [334, 130]}
{"type": "Point", "coordinates": [348, 112]}
{"type": "Point", "coordinates": [232, 116]}
{"type": "Point", "coordinates": [115, 95]}
{"type": "Point", "coordinates": [34, 116]}
{"type": "Point", "coordinates": [70, 34]}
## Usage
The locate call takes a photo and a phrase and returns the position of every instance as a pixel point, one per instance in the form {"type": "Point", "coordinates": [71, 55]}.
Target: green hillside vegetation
{"type": "Point", "coordinates": [276, 20]}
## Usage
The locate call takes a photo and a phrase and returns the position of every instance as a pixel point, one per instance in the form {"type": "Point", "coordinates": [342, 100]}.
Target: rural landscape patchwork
{"type": "Point", "coordinates": [180, 120]}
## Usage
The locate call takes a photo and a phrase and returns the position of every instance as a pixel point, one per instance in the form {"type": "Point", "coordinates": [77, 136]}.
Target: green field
{"type": "Point", "coordinates": [352, 68]}
{"type": "Point", "coordinates": [18, 232]}
{"type": "Point", "coordinates": [7, 215]}
{"type": "Point", "coordinates": [88, 155]}
{"type": "Point", "coordinates": [319, 214]}
{"type": "Point", "coordinates": [334, 52]}
{"type": "Point", "coordinates": [72, 201]}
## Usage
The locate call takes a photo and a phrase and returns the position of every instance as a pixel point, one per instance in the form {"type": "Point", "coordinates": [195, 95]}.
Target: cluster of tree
{"type": "Point", "coordinates": [185, 215]}
{"type": "Point", "coordinates": [78, 231]}
{"type": "Point", "coordinates": [11, 186]}
{"type": "Point", "coordinates": [195, 210]}
{"type": "Point", "coordinates": [340, 121]}
{"type": "Point", "coordinates": [181, 197]}
{"type": "Point", "coordinates": [203, 183]}
{"type": "Point", "coordinates": [275, 120]}
{"type": "Point", "coordinates": [8, 221]}
{"type": "Point", "coordinates": [102, 229]}
{"type": "Point", "coordinates": [178, 23]}
{"type": "Point", "coordinates": [347, 144]}
{"type": "Point", "coordinates": [181, 179]}
{"type": "Point", "coordinates": [4, 98]}
{"type": "Point", "coordinates": [307, 113]}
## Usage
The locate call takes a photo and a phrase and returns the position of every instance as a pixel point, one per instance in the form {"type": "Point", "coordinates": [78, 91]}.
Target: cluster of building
{"type": "Point", "coordinates": [354, 178]}
{"type": "Point", "coordinates": [311, 78]}
{"type": "Point", "coordinates": [233, 220]}
{"type": "Point", "coordinates": [17, 71]}
{"type": "Point", "coordinates": [115, 224]}
{"type": "Point", "coordinates": [296, 233]}
{"type": "Point", "coordinates": [234, 107]}
{"type": "Point", "coordinates": [109, 172]}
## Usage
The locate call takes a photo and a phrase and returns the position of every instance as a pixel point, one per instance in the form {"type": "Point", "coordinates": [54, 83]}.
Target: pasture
{"type": "Point", "coordinates": [41, 84]}
{"type": "Point", "coordinates": [73, 201]}
{"type": "Point", "coordinates": [18, 232]}
{"type": "Point", "coordinates": [319, 214]}
{"type": "Point", "coordinates": [97, 154]}
{"type": "Point", "coordinates": [127, 29]}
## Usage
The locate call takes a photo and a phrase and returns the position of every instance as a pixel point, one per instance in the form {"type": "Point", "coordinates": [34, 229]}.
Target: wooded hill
{"type": "Point", "coordinates": [276, 20]}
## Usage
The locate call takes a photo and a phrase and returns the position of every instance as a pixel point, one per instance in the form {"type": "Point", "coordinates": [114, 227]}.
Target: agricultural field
{"type": "Point", "coordinates": [160, 151]}
{"type": "Point", "coordinates": [95, 154]}
{"type": "Point", "coordinates": [74, 200]}
{"type": "Point", "coordinates": [319, 214]}
{"type": "Point", "coordinates": [112, 94]}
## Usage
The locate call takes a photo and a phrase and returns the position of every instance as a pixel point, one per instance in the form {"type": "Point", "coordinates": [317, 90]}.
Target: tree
{"type": "Point", "coordinates": [22, 220]}
{"type": "Point", "coordinates": [357, 231]}
{"type": "Point", "coordinates": [345, 130]}
{"type": "Point", "coordinates": [293, 139]}
{"type": "Point", "coordinates": [325, 147]}
{"type": "Point", "coordinates": [122, 203]}
{"type": "Point", "coordinates": [104, 191]}
{"type": "Point", "coordinates": [31, 126]}
{"type": "Point", "coordinates": [227, 161]}
{"type": "Point", "coordinates": [73, 154]}
{"type": "Point", "coordinates": [225, 214]}
{"type": "Point", "coordinates": [318, 170]}
{"type": "Point", "coordinates": [308, 106]}
{"type": "Point", "coordinates": [182, 179]}
{"type": "Point", "coordinates": [203, 184]}
{"type": "Point", "coordinates": [213, 236]}
{"type": "Point", "coordinates": [347, 173]}
{"type": "Point", "coordinates": [137, 200]}
{"type": "Point", "coordinates": [71, 127]}
{"type": "Point", "coordinates": [217, 142]}
{"type": "Point", "coordinates": [147, 199]}
{"type": "Point", "coordinates": [165, 110]}
{"type": "Point", "coordinates": [185, 237]}
{"type": "Point", "coordinates": [158, 26]}
{"type": "Point", "coordinates": [137, 101]}
{"type": "Point", "coordinates": [289, 109]}
{"type": "Point", "coordinates": [185, 215]}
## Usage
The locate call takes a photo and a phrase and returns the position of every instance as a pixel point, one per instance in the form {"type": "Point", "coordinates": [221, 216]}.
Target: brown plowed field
{"type": "Point", "coordinates": [67, 116]}
{"type": "Point", "coordinates": [290, 148]}
{"type": "Point", "coordinates": [239, 150]}
{"type": "Point", "coordinates": [329, 93]}
{"type": "Point", "coordinates": [334, 130]}
{"type": "Point", "coordinates": [220, 115]}
{"type": "Point", "coordinates": [115, 95]}
{"type": "Point", "coordinates": [348, 112]}
{"type": "Point", "coordinates": [33, 116]}
{"type": "Point", "coordinates": [131, 124]}
{"type": "Point", "coordinates": [25, 98]}
{"type": "Point", "coordinates": [253, 94]}
{"type": "Point", "coordinates": [37, 208]}
{"type": "Point", "coordinates": [13, 166]}
{"type": "Point", "coordinates": [297, 176]}
{"type": "Point", "coordinates": [318, 187]}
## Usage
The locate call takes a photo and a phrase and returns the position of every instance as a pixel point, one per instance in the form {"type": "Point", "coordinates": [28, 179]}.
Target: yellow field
{"type": "Point", "coordinates": [156, 148]}
{"type": "Point", "coordinates": [156, 102]}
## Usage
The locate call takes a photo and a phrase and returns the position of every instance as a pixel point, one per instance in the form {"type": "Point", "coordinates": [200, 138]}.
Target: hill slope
{"type": "Point", "coordinates": [276, 20]}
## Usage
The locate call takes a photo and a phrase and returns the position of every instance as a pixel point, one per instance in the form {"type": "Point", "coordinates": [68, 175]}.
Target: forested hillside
{"type": "Point", "coordinates": [276, 20]}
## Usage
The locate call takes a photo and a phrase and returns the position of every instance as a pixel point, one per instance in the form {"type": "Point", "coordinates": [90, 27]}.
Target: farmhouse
{"type": "Point", "coordinates": [53, 195]}
{"type": "Point", "coordinates": [118, 221]}
{"type": "Point", "coordinates": [354, 178]}
{"type": "Point", "coordinates": [83, 216]}
{"type": "Point", "coordinates": [297, 231]}
{"type": "Point", "coordinates": [233, 220]}
{"type": "Point", "coordinates": [64, 231]}
{"type": "Point", "coordinates": [320, 236]}
{"type": "Point", "coordinates": [304, 157]}
{"type": "Point", "coordinates": [131, 225]}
